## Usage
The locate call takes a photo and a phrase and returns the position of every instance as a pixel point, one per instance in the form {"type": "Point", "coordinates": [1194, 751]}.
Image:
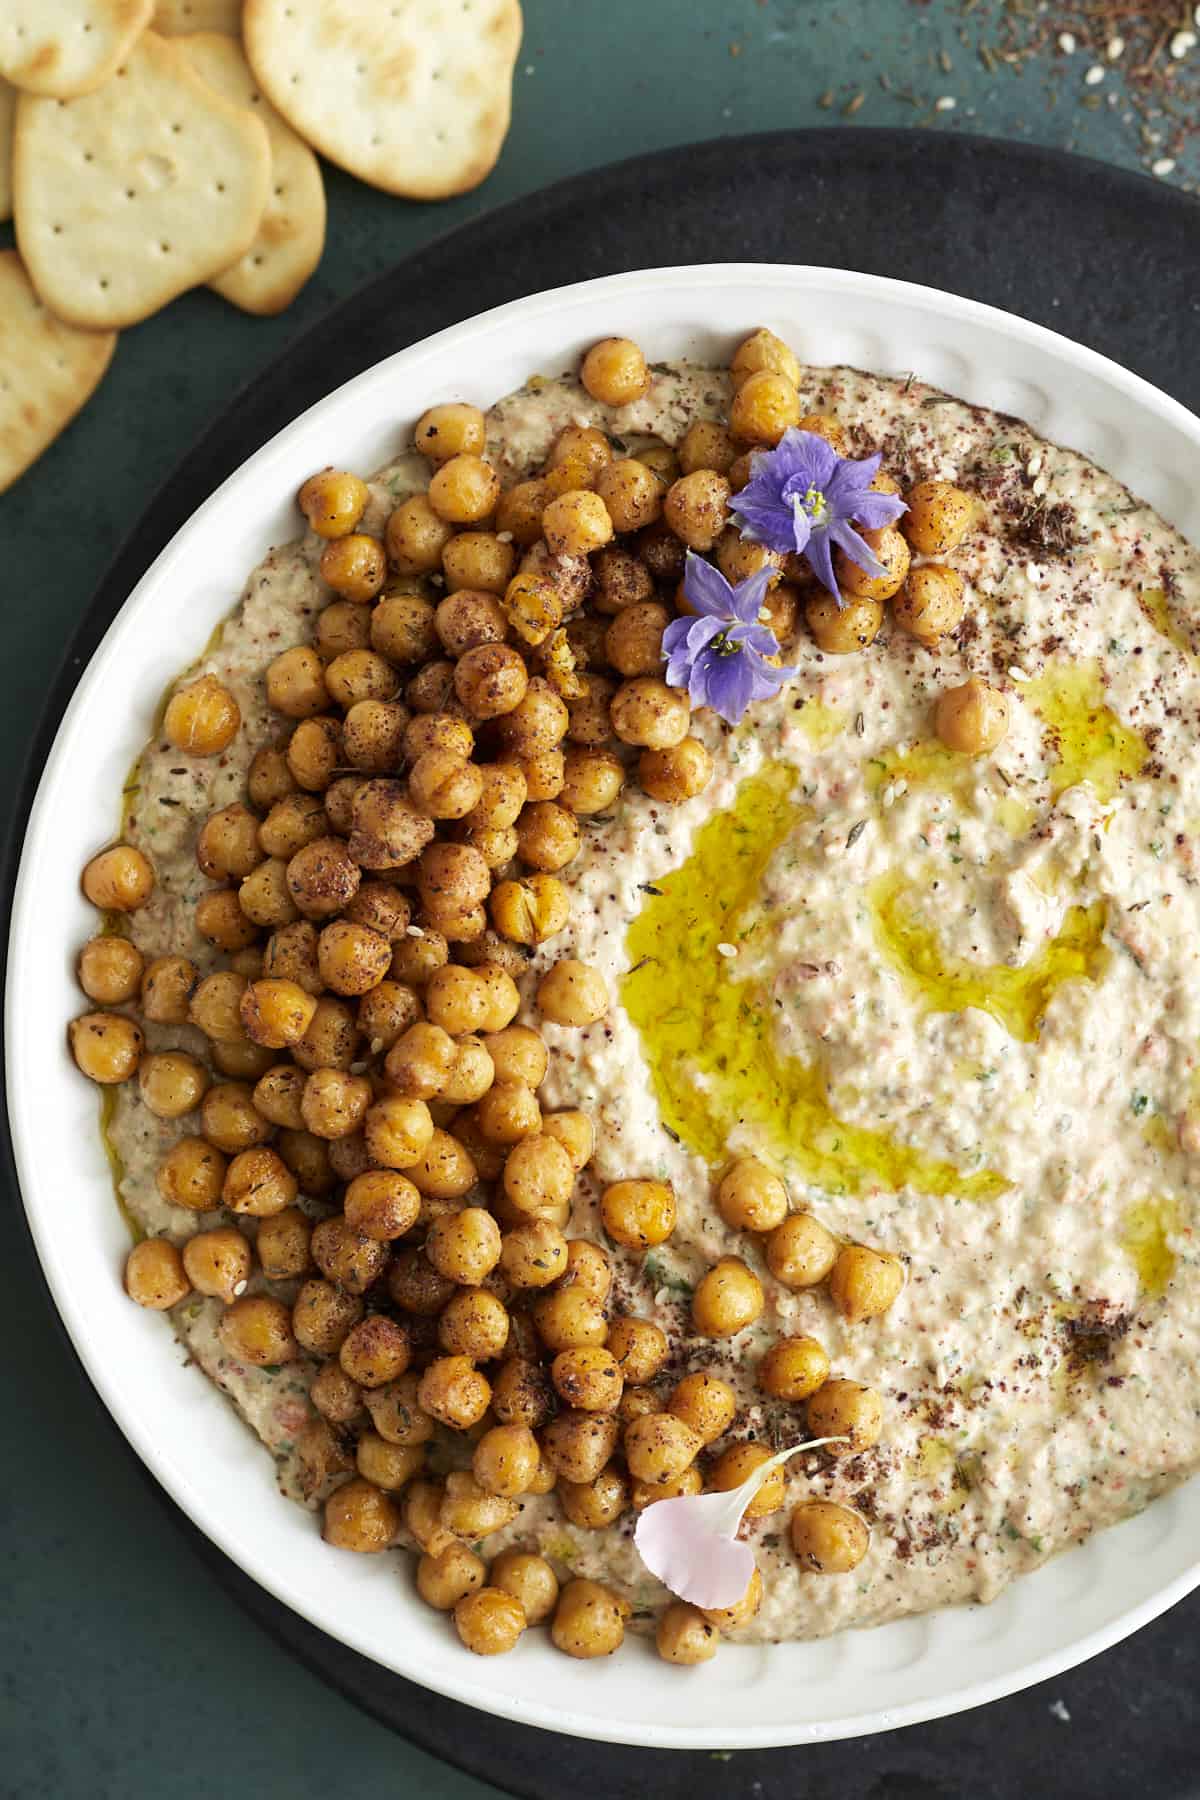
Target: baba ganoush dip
{"type": "Point", "coordinates": [955, 1001]}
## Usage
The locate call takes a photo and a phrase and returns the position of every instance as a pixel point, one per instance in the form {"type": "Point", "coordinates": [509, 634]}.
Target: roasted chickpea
{"type": "Point", "coordinates": [382, 1203]}
{"type": "Point", "coordinates": [120, 879]}
{"type": "Point", "coordinates": [417, 955]}
{"type": "Point", "coordinates": [268, 778]}
{"type": "Point", "coordinates": [220, 918]}
{"type": "Point", "coordinates": [576, 523]}
{"type": "Point", "coordinates": [579, 1444]}
{"type": "Point", "coordinates": [452, 428]}
{"type": "Point", "coordinates": [695, 508]}
{"type": "Point", "coordinates": [489, 1622]}
{"type": "Point", "coordinates": [538, 1176]}
{"type": "Point", "coordinates": [588, 1378]}
{"type": "Point", "coordinates": [331, 1040]}
{"type": "Point", "coordinates": [471, 1073]}
{"type": "Point", "coordinates": [739, 557]}
{"type": "Point", "coordinates": [334, 1103]}
{"type": "Point", "coordinates": [706, 445]}
{"type": "Point", "coordinates": [415, 536]}
{"type": "Point", "coordinates": [402, 628]}
{"type": "Point", "coordinates": [841, 630]}
{"type": "Point", "coordinates": [727, 1299]}
{"type": "Point", "coordinates": [684, 1636]}
{"type": "Point", "coordinates": [567, 1319]}
{"type": "Point", "coordinates": [276, 1013]}
{"type": "Point", "coordinates": [227, 846]}
{"type": "Point", "coordinates": [533, 1255]}
{"type": "Point", "coordinates": [307, 1156]}
{"type": "Point", "coordinates": [342, 625]}
{"type": "Point", "coordinates": [191, 1175]}
{"type": "Point", "coordinates": [572, 993]}
{"type": "Point", "coordinates": [730, 1618]}
{"type": "Point", "coordinates": [793, 1368]}
{"type": "Point", "coordinates": [258, 1182]}
{"type": "Point", "coordinates": [314, 751]}
{"type": "Point", "coordinates": [295, 683]}
{"type": "Point", "coordinates": [763, 350]}
{"type": "Point", "coordinates": [420, 1060]}
{"type": "Point", "coordinates": [171, 1083]}
{"type": "Point", "coordinates": [333, 502]}
{"type": "Point", "coordinates": [474, 1323]}
{"type": "Point", "coordinates": [355, 566]}
{"type": "Point", "coordinates": [291, 955]}
{"type": "Point", "coordinates": [453, 1392]}
{"type": "Point", "coordinates": [202, 718]}
{"type": "Point", "coordinates": [548, 836]}
{"type": "Point", "coordinates": [638, 1214]}
{"type": "Point", "coordinates": [264, 898]}
{"type": "Point", "coordinates": [863, 1283]}
{"type": "Point", "coordinates": [846, 1409]}
{"type": "Point", "coordinates": [258, 1329]}
{"type": "Point", "coordinates": [589, 1620]}
{"type": "Point", "coordinates": [532, 605]}
{"type": "Point", "coordinates": [110, 970]}
{"type": "Point", "coordinates": [658, 1447]}
{"type": "Point", "coordinates": [456, 1000]}
{"type": "Point", "coordinates": [283, 1244]}
{"type": "Point", "coordinates": [464, 1246]}
{"type": "Point", "coordinates": [631, 495]}
{"type": "Point", "coordinates": [398, 1131]}
{"type": "Point", "coordinates": [542, 773]}
{"type": "Point", "coordinates": [930, 603]}
{"type": "Point", "coordinates": [736, 1465]}
{"type": "Point", "coordinates": [423, 1516]}
{"type": "Point", "coordinates": [595, 1504]}
{"type": "Point", "coordinates": [938, 518]}
{"type": "Point", "coordinates": [395, 1413]}
{"type": "Point", "coordinates": [973, 718]}
{"type": "Point", "coordinates": [443, 1580]}
{"type": "Point", "coordinates": [106, 1046]}
{"type": "Point", "coordinates": [829, 1539]}
{"type": "Point", "coordinates": [522, 1394]}
{"type": "Point", "coordinates": [506, 1460]}
{"type": "Point", "coordinates": [464, 489]}
{"type": "Point", "coordinates": [373, 736]}
{"type": "Point", "coordinates": [415, 1285]}
{"type": "Point", "coordinates": [231, 1120]}
{"type": "Point", "coordinates": [519, 511]}
{"type": "Point", "coordinates": [375, 1351]}
{"type": "Point", "coordinates": [490, 680]}
{"type": "Point", "coordinates": [322, 1316]}
{"type": "Point", "coordinates": [646, 1493]}
{"type": "Point", "coordinates": [529, 1579]}
{"type": "Point", "coordinates": [388, 1466]}
{"type": "Point", "coordinates": [352, 958]}
{"type": "Point", "coordinates": [168, 987]}
{"type": "Point", "coordinates": [335, 1396]}
{"type": "Point", "coordinates": [531, 910]}
{"type": "Point", "coordinates": [800, 1252]}
{"type": "Point", "coordinates": [350, 1258]}
{"type": "Point", "coordinates": [155, 1275]}
{"type": "Point", "coordinates": [646, 712]}
{"type": "Point", "coordinates": [388, 832]}
{"type": "Point", "coordinates": [360, 1516]}
{"type": "Point", "coordinates": [633, 642]}
{"type": "Point", "coordinates": [640, 1348]}
{"type": "Point", "coordinates": [478, 560]}
{"type": "Point", "coordinates": [706, 1403]}
{"type": "Point", "coordinates": [349, 1157]}
{"type": "Point", "coordinates": [677, 773]}
{"type": "Point", "coordinates": [215, 1005]}
{"type": "Point", "coordinates": [295, 821]}
{"type": "Point", "coordinates": [615, 372]}
{"type": "Point", "coordinates": [764, 407]}
{"type": "Point", "coordinates": [751, 1197]}
{"type": "Point", "coordinates": [891, 551]}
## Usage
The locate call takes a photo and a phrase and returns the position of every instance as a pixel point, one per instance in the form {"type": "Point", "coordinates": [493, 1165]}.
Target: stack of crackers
{"type": "Point", "coordinates": [149, 146]}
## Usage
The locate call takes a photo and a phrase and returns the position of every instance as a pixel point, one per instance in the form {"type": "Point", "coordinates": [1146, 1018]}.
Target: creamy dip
{"type": "Point", "coordinates": [955, 1001]}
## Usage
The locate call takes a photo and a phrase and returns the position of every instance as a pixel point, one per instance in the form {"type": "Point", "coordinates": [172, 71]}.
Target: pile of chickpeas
{"type": "Point", "coordinates": [391, 1202]}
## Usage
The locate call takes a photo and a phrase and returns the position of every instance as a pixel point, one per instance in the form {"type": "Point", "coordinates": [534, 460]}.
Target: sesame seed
{"type": "Point", "coordinates": [1115, 49]}
{"type": "Point", "coordinates": [1066, 42]}
{"type": "Point", "coordinates": [726, 949]}
{"type": "Point", "coordinates": [833, 848]}
{"type": "Point", "coordinates": [1181, 43]}
{"type": "Point", "coordinates": [505, 537]}
{"type": "Point", "coordinates": [413, 931]}
{"type": "Point", "coordinates": [239, 1290]}
{"type": "Point", "coordinates": [1040, 486]}
{"type": "Point", "coordinates": [1094, 76]}
{"type": "Point", "coordinates": [1017, 673]}
{"type": "Point", "coordinates": [1163, 166]}
{"type": "Point", "coordinates": [889, 794]}
{"type": "Point", "coordinates": [946, 103]}
{"type": "Point", "coordinates": [901, 787]}
{"type": "Point", "coordinates": [1034, 572]}
{"type": "Point", "coordinates": [1034, 465]}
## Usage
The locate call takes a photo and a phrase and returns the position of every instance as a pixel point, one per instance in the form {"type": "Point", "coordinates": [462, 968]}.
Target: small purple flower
{"type": "Point", "coordinates": [803, 496]}
{"type": "Point", "coordinates": [719, 656]}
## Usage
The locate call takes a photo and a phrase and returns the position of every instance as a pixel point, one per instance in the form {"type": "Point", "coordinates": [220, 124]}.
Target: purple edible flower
{"type": "Point", "coordinates": [803, 496]}
{"type": "Point", "coordinates": [720, 655]}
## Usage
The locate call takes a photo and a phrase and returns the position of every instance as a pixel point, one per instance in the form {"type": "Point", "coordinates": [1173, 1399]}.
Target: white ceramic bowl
{"type": "Point", "coordinates": [179, 1425]}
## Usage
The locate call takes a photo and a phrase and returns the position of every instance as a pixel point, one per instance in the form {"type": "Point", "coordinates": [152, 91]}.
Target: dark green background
{"type": "Point", "coordinates": [123, 1670]}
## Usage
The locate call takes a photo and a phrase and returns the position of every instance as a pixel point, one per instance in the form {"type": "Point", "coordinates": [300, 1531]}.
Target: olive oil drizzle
{"type": "Point", "coordinates": [707, 1036]}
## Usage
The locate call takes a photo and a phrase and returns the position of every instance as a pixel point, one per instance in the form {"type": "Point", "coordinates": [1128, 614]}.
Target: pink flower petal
{"type": "Point", "coordinates": [677, 1542]}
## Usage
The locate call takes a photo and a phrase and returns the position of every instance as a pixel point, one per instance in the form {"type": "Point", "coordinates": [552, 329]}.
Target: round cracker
{"type": "Point", "coordinates": [47, 370]}
{"type": "Point", "coordinates": [68, 47]}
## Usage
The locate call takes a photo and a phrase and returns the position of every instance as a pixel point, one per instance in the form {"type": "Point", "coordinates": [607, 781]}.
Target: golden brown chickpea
{"type": "Point", "coordinates": [171, 1083]}
{"type": "Point", "coordinates": [373, 736]}
{"type": "Point", "coordinates": [334, 1103]}
{"type": "Point", "coordinates": [829, 427]}
{"type": "Point", "coordinates": [398, 1131]}
{"type": "Point", "coordinates": [542, 774]}
{"type": "Point", "coordinates": [729, 1618]}
{"type": "Point", "coordinates": [646, 712]}
{"type": "Point", "coordinates": [579, 1444]}
{"type": "Point", "coordinates": [751, 1197]}
{"type": "Point", "coordinates": [415, 1285]}
{"type": "Point", "coordinates": [120, 879]}
{"type": "Point", "coordinates": [456, 1000]}
{"type": "Point", "coordinates": [452, 428]}
{"type": "Point", "coordinates": [538, 1174]}
{"type": "Point", "coordinates": [588, 1378]}
{"type": "Point", "coordinates": [841, 1408]}
{"type": "Point", "coordinates": [658, 1447]}
{"type": "Point", "coordinates": [490, 680]}
{"type": "Point", "coordinates": [519, 511]}
{"type": "Point", "coordinates": [588, 1270]}
{"type": "Point", "coordinates": [633, 642]}
{"type": "Point", "coordinates": [335, 1396]}
{"type": "Point", "coordinates": [533, 1255]}
{"type": "Point", "coordinates": [800, 1252]}
{"type": "Point", "coordinates": [342, 625]}
{"type": "Point", "coordinates": [487, 1157]}
{"type": "Point", "coordinates": [589, 1620]}
{"type": "Point", "coordinates": [704, 1402]}
{"type": "Point", "coordinates": [695, 508]}
{"type": "Point", "coordinates": [457, 927]}
{"type": "Point", "coordinates": [416, 536]}
{"type": "Point", "coordinates": [355, 566]}
{"type": "Point", "coordinates": [478, 560]}
{"type": "Point", "coordinates": [227, 846]}
{"type": "Point", "coordinates": [736, 1465]}
{"type": "Point", "coordinates": [110, 970]}
{"type": "Point", "coordinates": [676, 774]}
{"type": "Point", "coordinates": [548, 836]}
{"type": "Point", "coordinates": [258, 1182]}
{"type": "Point", "coordinates": [202, 718]}
{"type": "Point", "coordinates": [323, 878]}
{"type": "Point", "coordinates": [443, 1580]}
{"type": "Point", "coordinates": [615, 372]}
{"type": "Point", "coordinates": [283, 1244]}
{"type": "Point", "coordinates": [322, 1315]}
{"type": "Point", "coordinates": [215, 1005]}
{"type": "Point", "coordinates": [595, 1504]}
{"type": "Point", "coordinates": [258, 1329]}
{"type": "Point", "coordinates": [352, 958]}
{"type": "Point", "coordinates": [506, 1460]}
{"type": "Point", "coordinates": [230, 1120]}
{"type": "Point", "coordinates": [375, 1351]}
{"type": "Point", "coordinates": [973, 718]}
{"type": "Point", "coordinates": [168, 987]}
{"type": "Point", "coordinates": [444, 786]}
{"type": "Point", "coordinates": [572, 993]}
{"type": "Point", "coordinates": [763, 350]}
{"type": "Point", "coordinates": [739, 557]}
{"type": "Point", "coordinates": [531, 910]}
{"type": "Point", "coordinates": [522, 1394]}
{"type": "Point", "coordinates": [464, 489]}
{"type": "Point", "coordinates": [569, 1320]}
{"type": "Point", "coordinates": [155, 1276]}
{"type": "Point", "coordinates": [291, 955]}
{"type": "Point", "coordinates": [453, 1392]}
{"type": "Point", "coordinates": [348, 1257]}
{"type": "Point", "coordinates": [106, 1046]}
{"type": "Point", "coordinates": [402, 628]}
{"type": "Point", "coordinates": [583, 442]}
{"type": "Point", "coordinates": [221, 919]}
{"type": "Point", "coordinates": [395, 1413]}
{"type": "Point", "coordinates": [764, 407]}
{"type": "Point", "coordinates": [930, 603]}
{"type": "Point", "coordinates": [361, 675]}
{"type": "Point", "coordinates": [632, 496]}
{"type": "Point", "coordinates": [431, 690]}
{"type": "Point", "coordinates": [532, 606]}
{"type": "Point", "coordinates": [217, 1262]}
{"type": "Point", "coordinates": [387, 1466]}
{"type": "Point", "coordinates": [621, 579]}
{"type": "Point", "coordinates": [307, 1156]}
{"type": "Point", "coordinates": [863, 1283]}
{"type": "Point", "coordinates": [576, 523]}
{"type": "Point", "coordinates": [538, 723]}
{"type": "Point", "coordinates": [938, 518]}
{"type": "Point", "coordinates": [489, 1622]}
{"type": "Point", "coordinates": [518, 1054]}
{"type": "Point", "coordinates": [359, 1516]}
{"type": "Point", "coordinates": [684, 1636]}
{"type": "Point", "coordinates": [381, 1203]}
{"type": "Point", "coordinates": [333, 502]}
{"type": "Point", "coordinates": [475, 1324]}
{"type": "Point", "coordinates": [314, 751]}
{"type": "Point", "coordinates": [388, 832]}
{"type": "Point", "coordinates": [191, 1175]}
{"type": "Point", "coordinates": [829, 1539]}
{"type": "Point", "coordinates": [502, 794]}
{"type": "Point", "coordinates": [418, 955]}
{"type": "Point", "coordinates": [264, 898]}
{"type": "Point", "coordinates": [840, 631]}
{"type": "Point", "coordinates": [706, 445]}
{"type": "Point", "coordinates": [891, 551]}
{"type": "Point", "coordinates": [646, 1493]}
{"type": "Point", "coordinates": [529, 1579]}
{"type": "Point", "coordinates": [727, 1299]}
{"type": "Point", "coordinates": [452, 877]}
{"type": "Point", "coordinates": [423, 1516]}
{"type": "Point", "coordinates": [242, 1061]}
{"type": "Point", "coordinates": [268, 778]}
{"type": "Point", "coordinates": [331, 1041]}
{"type": "Point", "coordinates": [793, 1368]}
{"type": "Point", "coordinates": [640, 1348]}
{"type": "Point", "coordinates": [471, 1073]}
{"type": "Point", "coordinates": [295, 683]}
{"type": "Point", "coordinates": [276, 1013]}
{"type": "Point", "coordinates": [638, 1214]}
{"type": "Point", "coordinates": [464, 1246]}
{"type": "Point", "coordinates": [420, 1060]}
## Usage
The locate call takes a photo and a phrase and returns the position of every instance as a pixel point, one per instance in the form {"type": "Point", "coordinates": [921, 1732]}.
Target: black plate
{"type": "Point", "coordinates": [1108, 258]}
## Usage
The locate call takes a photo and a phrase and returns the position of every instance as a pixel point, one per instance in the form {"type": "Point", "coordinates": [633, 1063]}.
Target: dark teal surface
{"type": "Point", "coordinates": [123, 1670]}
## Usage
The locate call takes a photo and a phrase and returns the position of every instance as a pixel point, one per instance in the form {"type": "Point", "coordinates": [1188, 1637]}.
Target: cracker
{"type": "Point", "coordinates": [47, 370]}
{"type": "Point", "coordinates": [291, 234]}
{"type": "Point", "coordinates": [174, 17]}
{"type": "Point", "coordinates": [125, 198]}
{"type": "Point", "coordinates": [413, 96]}
{"type": "Point", "coordinates": [8, 108]}
{"type": "Point", "coordinates": [68, 47]}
